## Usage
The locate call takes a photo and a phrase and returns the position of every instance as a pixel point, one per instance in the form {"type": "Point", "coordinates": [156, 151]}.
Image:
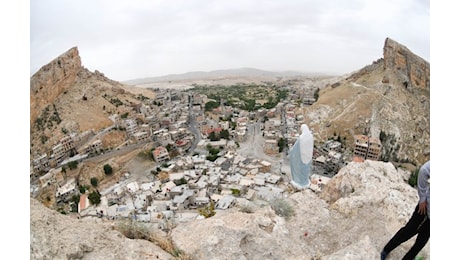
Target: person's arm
{"type": "Point", "coordinates": [422, 187]}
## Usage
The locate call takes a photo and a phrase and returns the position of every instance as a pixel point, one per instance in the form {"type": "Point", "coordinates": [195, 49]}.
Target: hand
{"type": "Point", "coordinates": [422, 208]}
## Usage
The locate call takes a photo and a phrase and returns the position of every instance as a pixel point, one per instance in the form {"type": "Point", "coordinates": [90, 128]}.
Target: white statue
{"type": "Point", "coordinates": [300, 158]}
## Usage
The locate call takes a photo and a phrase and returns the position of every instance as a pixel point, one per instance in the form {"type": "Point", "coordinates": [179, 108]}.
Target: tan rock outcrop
{"type": "Point", "coordinates": [412, 69]}
{"type": "Point", "coordinates": [56, 236]}
{"type": "Point", "coordinates": [388, 99]}
{"type": "Point", "coordinates": [65, 96]}
{"type": "Point", "coordinates": [52, 80]}
{"type": "Point", "coordinates": [358, 212]}
{"type": "Point", "coordinates": [368, 203]}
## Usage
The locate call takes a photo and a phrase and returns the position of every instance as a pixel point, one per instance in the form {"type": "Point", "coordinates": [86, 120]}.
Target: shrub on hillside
{"type": "Point", "coordinates": [207, 211]}
{"type": "Point", "coordinates": [94, 197]}
{"type": "Point", "coordinates": [94, 181]}
{"type": "Point", "coordinates": [282, 208]}
{"type": "Point", "coordinates": [135, 230]}
{"type": "Point", "coordinates": [413, 178]}
{"type": "Point", "coordinates": [108, 169]}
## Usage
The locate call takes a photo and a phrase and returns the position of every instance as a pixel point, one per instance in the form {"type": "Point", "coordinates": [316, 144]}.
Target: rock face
{"type": "Point", "coordinates": [413, 70]}
{"type": "Point", "coordinates": [358, 212]}
{"type": "Point", "coordinates": [55, 236]}
{"type": "Point", "coordinates": [388, 99]}
{"type": "Point", "coordinates": [361, 208]}
{"type": "Point", "coordinates": [65, 95]}
{"type": "Point", "coordinates": [52, 80]}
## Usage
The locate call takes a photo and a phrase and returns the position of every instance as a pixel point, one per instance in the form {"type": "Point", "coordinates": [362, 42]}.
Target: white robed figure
{"type": "Point", "coordinates": [300, 158]}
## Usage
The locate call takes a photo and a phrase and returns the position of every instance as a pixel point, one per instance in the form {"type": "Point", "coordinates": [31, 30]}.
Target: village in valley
{"type": "Point", "coordinates": [208, 149]}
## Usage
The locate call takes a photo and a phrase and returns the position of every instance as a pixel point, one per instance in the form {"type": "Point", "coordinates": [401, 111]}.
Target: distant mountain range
{"type": "Point", "coordinates": [219, 74]}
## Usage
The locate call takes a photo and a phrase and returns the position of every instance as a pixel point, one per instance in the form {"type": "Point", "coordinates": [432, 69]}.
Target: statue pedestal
{"type": "Point", "coordinates": [299, 187]}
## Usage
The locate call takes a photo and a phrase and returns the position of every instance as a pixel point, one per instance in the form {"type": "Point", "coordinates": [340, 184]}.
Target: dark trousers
{"type": "Point", "coordinates": [417, 224]}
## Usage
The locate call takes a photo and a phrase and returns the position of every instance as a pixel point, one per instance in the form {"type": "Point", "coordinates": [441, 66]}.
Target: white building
{"type": "Point", "coordinates": [65, 192]}
{"type": "Point", "coordinates": [131, 127]}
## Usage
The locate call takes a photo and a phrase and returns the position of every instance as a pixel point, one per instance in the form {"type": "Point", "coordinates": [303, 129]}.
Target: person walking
{"type": "Point", "coordinates": [419, 223]}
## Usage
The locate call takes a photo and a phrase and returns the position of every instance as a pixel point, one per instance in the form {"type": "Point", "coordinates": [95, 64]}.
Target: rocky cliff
{"type": "Point", "coordinates": [388, 99]}
{"type": "Point", "coordinates": [359, 210]}
{"type": "Point", "coordinates": [67, 97]}
{"type": "Point", "coordinates": [55, 236]}
{"type": "Point", "coordinates": [52, 80]}
{"type": "Point", "coordinates": [412, 70]}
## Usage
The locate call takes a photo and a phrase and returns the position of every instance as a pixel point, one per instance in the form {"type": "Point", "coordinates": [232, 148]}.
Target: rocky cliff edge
{"type": "Point", "coordinates": [355, 215]}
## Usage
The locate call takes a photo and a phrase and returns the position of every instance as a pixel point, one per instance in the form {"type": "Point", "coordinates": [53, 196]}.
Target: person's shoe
{"type": "Point", "coordinates": [383, 255]}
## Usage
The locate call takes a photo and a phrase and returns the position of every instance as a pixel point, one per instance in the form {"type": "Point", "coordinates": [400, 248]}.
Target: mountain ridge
{"type": "Point", "coordinates": [388, 99]}
{"type": "Point", "coordinates": [222, 73]}
{"type": "Point", "coordinates": [67, 97]}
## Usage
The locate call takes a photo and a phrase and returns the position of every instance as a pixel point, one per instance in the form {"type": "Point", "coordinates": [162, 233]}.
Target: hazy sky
{"type": "Point", "coordinates": [135, 39]}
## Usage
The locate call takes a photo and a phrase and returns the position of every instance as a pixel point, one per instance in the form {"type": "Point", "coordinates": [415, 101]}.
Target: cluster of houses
{"type": "Point", "coordinates": [157, 126]}
{"type": "Point", "coordinates": [166, 121]}
{"type": "Point", "coordinates": [191, 181]}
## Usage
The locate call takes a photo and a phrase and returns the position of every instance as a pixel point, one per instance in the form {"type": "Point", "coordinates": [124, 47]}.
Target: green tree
{"type": "Point", "coordinates": [209, 106]}
{"type": "Point", "coordinates": [73, 165]}
{"type": "Point", "coordinates": [94, 181]}
{"type": "Point", "coordinates": [282, 94]}
{"type": "Point", "coordinates": [74, 203]}
{"type": "Point", "coordinates": [213, 151]}
{"type": "Point", "coordinates": [382, 136]}
{"type": "Point", "coordinates": [82, 189]}
{"type": "Point", "coordinates": [169, 147]}
{"type": "Point", "coordinates": [281, 144]}
{"type": "Point", "coordinates": [94, 197]}
{"type": "Point", "coordinates": [316, 94]}
{"type": "Point", "coordinates": [165, 165]}
{"type": "Point", "coordinates": [108, 169]}
{"type": "Point", "coordinates": [250, 104]}
{"type": "Point", "coordinates": [224, 134]}
{"type": "Point", "coordinates": [213, 137]}
{"type": "Point", "coordinates": [75, 199]}
{"type": "Point", "coordinates": [212, 154]}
